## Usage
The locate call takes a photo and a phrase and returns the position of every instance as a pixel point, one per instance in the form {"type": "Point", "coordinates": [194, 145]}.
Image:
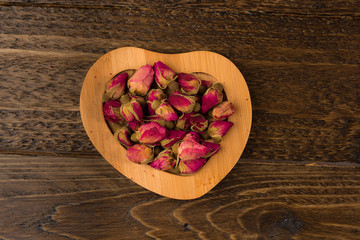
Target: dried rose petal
{"type": "Point", "coordinates": [111, 111]}
{"type": "Point", "coordinates": [164, 161]}
{"type": "Point", "coordinates": [218, 129]}
{"type": "Point", "coordinates": [140, 154]}
{"type": "Point", "coordinates": [198, 123]}
{"type": "Point", "coordinates": [181, 102]}
{"type": "Point", "coordinates": [172, 137]}
{"type": "Point", "coordinates": [166, 112]}
{"type": "Point", "coordinates": [191, 166]}
{"type": "Point", "coordinates": [211, 98]}
{"type": "Point", "coordinates": [154, 94]}
{"type": "Point", "coordinates": [183, 121]}
{"type": "Point", "coordinates": [140, 82]}
{"type": "Point", "coordinates": [115, 87]}
{"type": "Point", "coordinates": [163, 74]}
{"type": "Point", "coordinates": [223, 110]}
{"type": "Point", "coordinates": [151, 133]}
{"type": "Point", "coordinates": [189, 83]}
{"type": "Point", "coordinates": [123, 135]}
{"type": "Point", "coordinates": [215, 147]}
{"type": "Point", "coordinates": [190, 149]}
{"type": "Point", "coordinates": [192, 135]}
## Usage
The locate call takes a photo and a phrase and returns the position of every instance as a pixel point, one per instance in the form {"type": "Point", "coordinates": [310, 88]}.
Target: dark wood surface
{"type": "Point", "coordinates": [301, 60]}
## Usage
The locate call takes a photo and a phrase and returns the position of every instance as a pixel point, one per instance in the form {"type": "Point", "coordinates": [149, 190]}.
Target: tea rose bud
{"type": "Point", "coordinates": [140, 82]}
{"type": "Point", "coordinates": [123, 136]}
{"type": "Point", "coordinates": [183, 121]}
{"type": "Point", "coordinates": [132, 113]}
{"type": "Point", "coordinates": [163, 75]}
{"type": "Point", "coordinates": [193, 136]}
{"type": "Point", "coordinates": [165, 111]}
{"type": "Point", "coordinates": [191, 166]}
{"type": "Point", "coordinates": [139, 99]}
{"type": "Point", "coordinates": [111, 111]}
{"type": "Point", "coordinates": [218, 129]}
{"type": "Point", "coordinates": [154, 94]}
{"type": "Point", "coordinates": [189, 83]}
{"type": "Point", "coordinates": [151, 133]}
{"type": "Point", "coordinates": [198, 123]}
{"type": "Point", "coordinates": [214, 147]}
{"type": "Point", "coordinates": [140, 154]}
{"type": "Point", "coordinates": [172, 137]}
{"type": "Point", "coordinates": [155, 118]}
{"type": "Point", "coordinates": [190, 149]}
{"type": "Point", "coordinates": [211, 98]}
{"type": "Point", "coordinates": [164, 161]}
{"type": "Point", "coordinates": [223, 110]}
{"type": "Point", "coordinates": [206, 79]}
{"type": "Point", "coordinates": [115, 87]}
{"type": "Point", "coordinates": [181, 102]}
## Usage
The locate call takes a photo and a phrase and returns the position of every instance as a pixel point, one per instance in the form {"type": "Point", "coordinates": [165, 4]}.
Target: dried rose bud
{"type": "Point", "coordinates": [155, 118]}
{"type": "Point", "coordinates": [151, 133]}
{"type": "Point", "coordinates": [123, 136]}
{"type": "Point", "coordinates": [198, 123]}
{"type": "Point", "coordinates": [111, 111]}
{"type": "Point", "coordinates": [214, 147]}
{"type": "Point", "coordinates": [218, 129]}
{"type": "Point", "coordinates": [172, 137]}
{"type": "Point", "coordinates": [134, 125]}
{"type": "Point", "coordinates": [189, 83]}
{"type": "Point", "coordinates": [163, 75]}
{"type": "Point", "coordinates": [154, 94]}
{"type": "Point", "coordinates": [181, 102]}
{"type": "Point", "coordinates": [164, 161]}
{"type": "Point", "coordinates": [190, 149]}
{"type": "Point", "coordinates": [165, 111]}
{"type": "Point", "coordinates": [141, 81]}
{"type": "Point", "coordinates": [192, 135]}
{"type": "Point", "coordinates": [211, 98]}
{"type": "Point", "coordinates": [223, 110]}
{"type": "Point", "coordinates": [140, 154]}
{"type": "Point", "coordinates": [139, 99]}
{"type": "Point", "coordinates": [206, 79]}
{"type": "Point", "coordinates": [191, 166]}
{"type": "Point", "coordinates": [183, 121]}
{"type": "Point", "coordinates": [132, 113]}
{"type": "Point", "coordinates": [115, 87]}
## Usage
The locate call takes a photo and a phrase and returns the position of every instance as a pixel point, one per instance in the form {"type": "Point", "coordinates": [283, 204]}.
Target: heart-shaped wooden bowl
{"type": "Point", "coordinates": [161, 182]}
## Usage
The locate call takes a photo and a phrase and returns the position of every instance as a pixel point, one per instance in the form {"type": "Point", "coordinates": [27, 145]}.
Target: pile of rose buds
{"type": "Point", "coordinates": [174, 123]}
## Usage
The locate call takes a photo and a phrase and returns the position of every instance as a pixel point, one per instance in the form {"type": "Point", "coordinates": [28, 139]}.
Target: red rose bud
{"type": "Point", "coordinates": [111, 111]}
{"type": "Point", "coordinates": [151, 133]}
{"type": "Point", "coordinates": [123, 136]}
{"type": "Point", "coordinates": [154, 94]}
{"type": "Point", "coordinates": [166, 112]}
{"type": "Point", "coordinates": [198, 123]}
{"type": "Point", "coordinates": [189, 83]}
{"type": "Point", "coordinates": [134, 125]}
{"type": "Point", "coordinates": [115, 87]}
{"type": "Point", "coordinates": [206, 79]}
{"type": "Point", "coordinates": [172, 137]}
{"type": "Point", "coordinates": [140, 154]}
{"type": "Point", "coordinates": [211, 98]}
{"type": "Point", "coordinates": [139, 99]}
{"type": "Point", "coordinates": [155, 118]}
{"type": "Point", "coordinates": [140, 82]}
{"type": "Point", "coordinates": [181, 102]}
{"type": "Point", "coordinates": [214, 147]}
{"type": "Point", "coordinates": [132, 111]}
{"type": "Point", "coordinates": [183, 121]}
{"type": "Point", "coordinates": [190, 149]}
{"type": "Point", "coordinates": [163, 75]}
{"type": "Point", "coordinates": [164, 161]}
{"type": "Point", "coordinates": [218, 129]}
{"type": "Point", "coordinates": [223, 110]}
{"type": "Point", "coordinates": [193, 136]}
{"type": "Point", "coordinates": [191, 166]}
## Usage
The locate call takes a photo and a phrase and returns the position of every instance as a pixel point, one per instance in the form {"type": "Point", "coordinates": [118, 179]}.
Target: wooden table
{"type": "Point", "coordinates": [298, 178]}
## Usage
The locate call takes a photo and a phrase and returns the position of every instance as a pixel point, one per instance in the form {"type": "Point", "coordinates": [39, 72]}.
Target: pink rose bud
{"type": "Point", "coordinates": [214, 147]}
{"type": "Point", "coordinates": [181, 102]}
{"type": "Point", "coordinates": [154, 94]}
{"type": "Point", "coordinates": [193, 136]}
{"type": "Point", "coordinates": [223, 110]}
{"type": "Point", "coordinates": [115, 87]}
{"type": "Point", "coordinates": [123, 136]}
{"type": "Point", "coordinates": [218, 129]}
{"type": "Point", "coordinates": [189, 83]}
{"type": "Point", "coordinates": [140, 82]}
{"type": "Point", "coordinates": [139, 99]}
{"type": "Point", "coordinates": [166, 112]}
{"type": "Point", "coordinates": [111, 111]}
{"type": "Point", "coordinates": [190, 149]}
{"type": "Point", "coordinates": [151, 133]}
{"type": "Point", "coordinates": [155, 118]}
{"type": "Point", "coordinates": [198, 123]}
{"type": "Point", "coordinates": [163, 75]}
{"type": "Point", "coordinates": [211, 98]}
{"type": "Point", "coordinates": [132, 113]}
{"type": "Point", "coordinates": [172, 137]}
{"type": "Point", "coordinates": [164, 161]}
{"type": "Point", "coordinates": [140, 154]}
{"type": "Point", "coordinates": [191, 166]}
{"type": "Point", "coordinates": [183, 121]}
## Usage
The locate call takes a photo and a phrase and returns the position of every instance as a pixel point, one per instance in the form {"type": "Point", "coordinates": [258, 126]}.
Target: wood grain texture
{"type": "Point", "coordinates": [85, 198]}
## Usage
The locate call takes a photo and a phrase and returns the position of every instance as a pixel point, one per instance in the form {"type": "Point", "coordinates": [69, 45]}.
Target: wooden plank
{"type": "Point", "coordinates": [84, 198]}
